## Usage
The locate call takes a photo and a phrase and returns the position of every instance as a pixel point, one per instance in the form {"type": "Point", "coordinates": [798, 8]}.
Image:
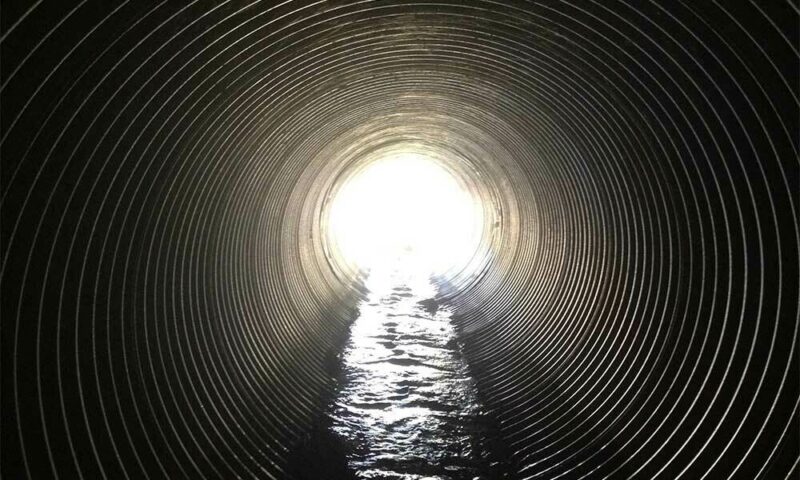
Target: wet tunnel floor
{"type": "Point", "coordinates": [406, 407]}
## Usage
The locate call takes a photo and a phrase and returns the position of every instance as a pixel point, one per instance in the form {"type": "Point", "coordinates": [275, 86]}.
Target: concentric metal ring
{"type": "Point", "coordinates": [169, 310]}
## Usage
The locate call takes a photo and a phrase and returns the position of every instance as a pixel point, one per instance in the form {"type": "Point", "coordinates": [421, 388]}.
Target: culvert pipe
{"type": "Point", "coordinates": [172, 307]}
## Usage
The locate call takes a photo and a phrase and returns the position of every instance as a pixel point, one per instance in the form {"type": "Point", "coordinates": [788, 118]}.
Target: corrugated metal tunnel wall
{"type": "Point", "coordinates": [168, 309]}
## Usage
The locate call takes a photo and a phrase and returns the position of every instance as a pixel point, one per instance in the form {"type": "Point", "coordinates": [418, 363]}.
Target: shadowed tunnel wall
{"type": "Point", "coordinates": [170, 311]}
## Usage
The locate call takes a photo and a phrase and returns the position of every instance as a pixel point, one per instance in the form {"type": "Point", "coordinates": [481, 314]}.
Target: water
{"type": "Point", "coordinates": [407, 407]}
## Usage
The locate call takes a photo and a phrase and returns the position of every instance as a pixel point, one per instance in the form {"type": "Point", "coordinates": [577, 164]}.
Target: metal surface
{"type": "Point", "coordinates": [169, 309]}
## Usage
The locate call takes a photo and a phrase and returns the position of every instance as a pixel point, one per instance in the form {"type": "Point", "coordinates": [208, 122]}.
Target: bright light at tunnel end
{"type": "Point", "coordinates": [405, 211]}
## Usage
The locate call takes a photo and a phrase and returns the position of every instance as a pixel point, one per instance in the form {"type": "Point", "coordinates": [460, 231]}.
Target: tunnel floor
{"type": "Point", "coordinates": [406, 407]}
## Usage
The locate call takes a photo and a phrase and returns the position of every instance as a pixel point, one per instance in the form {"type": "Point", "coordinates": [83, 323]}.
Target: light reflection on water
{"type": "Point", "coordinates": [407, 407]}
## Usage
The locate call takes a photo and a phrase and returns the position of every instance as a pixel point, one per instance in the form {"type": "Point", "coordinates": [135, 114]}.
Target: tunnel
{"type": "Point", "coordinates": [173, 305]}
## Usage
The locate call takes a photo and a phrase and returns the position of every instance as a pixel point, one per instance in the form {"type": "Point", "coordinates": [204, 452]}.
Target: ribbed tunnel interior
{"type": "Point", "coordinates": [171, 308]}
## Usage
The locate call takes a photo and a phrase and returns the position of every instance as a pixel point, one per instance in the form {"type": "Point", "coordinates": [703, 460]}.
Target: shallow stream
{"type": "Point", "coordinates": [407, 407]}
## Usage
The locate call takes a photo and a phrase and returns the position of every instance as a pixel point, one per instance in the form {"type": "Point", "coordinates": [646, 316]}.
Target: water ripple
{"type": "Point", "coordinates": [408, 408]}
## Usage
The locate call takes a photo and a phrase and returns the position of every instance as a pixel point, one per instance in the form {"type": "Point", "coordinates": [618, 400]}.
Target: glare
{"type": "Point", "coordinates": [405, 211]}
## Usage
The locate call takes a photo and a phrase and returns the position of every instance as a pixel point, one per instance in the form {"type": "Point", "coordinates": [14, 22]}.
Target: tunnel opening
{"type": "Point", "coordinates": [405, 211]}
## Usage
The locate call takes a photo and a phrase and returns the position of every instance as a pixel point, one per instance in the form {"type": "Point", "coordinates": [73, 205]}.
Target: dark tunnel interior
{"type": "Point", "coordinates": [172, 306]}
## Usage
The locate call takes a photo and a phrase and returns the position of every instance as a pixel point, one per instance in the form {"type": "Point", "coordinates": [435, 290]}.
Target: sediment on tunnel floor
{"type": "Point", "coordinates": [170, 307]}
